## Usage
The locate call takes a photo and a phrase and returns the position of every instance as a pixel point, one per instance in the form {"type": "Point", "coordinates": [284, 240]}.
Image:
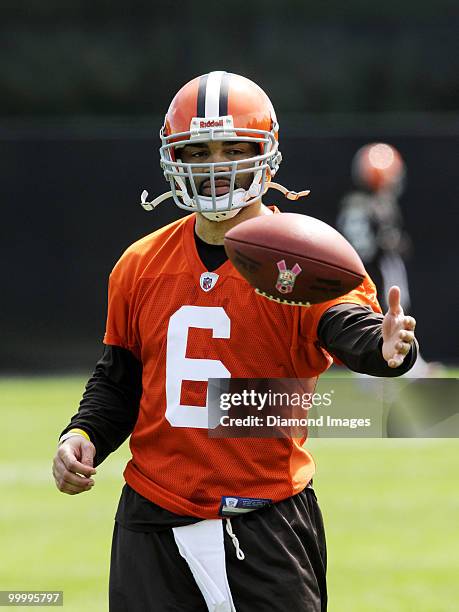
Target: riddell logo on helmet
{"type": "Point", "coordinates": [211, 123]}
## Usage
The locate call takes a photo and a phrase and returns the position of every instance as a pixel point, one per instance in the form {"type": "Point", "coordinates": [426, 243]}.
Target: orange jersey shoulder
{"type": "Point", "coordinates": [162, 245]}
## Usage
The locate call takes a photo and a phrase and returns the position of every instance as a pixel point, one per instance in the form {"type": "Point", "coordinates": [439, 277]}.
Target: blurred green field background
{"type": "Point", "coordinates": [391, 510]}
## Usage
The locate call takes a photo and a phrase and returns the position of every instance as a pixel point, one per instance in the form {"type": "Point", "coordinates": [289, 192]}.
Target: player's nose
{"type": "Point", "coordinates": [222, 162]}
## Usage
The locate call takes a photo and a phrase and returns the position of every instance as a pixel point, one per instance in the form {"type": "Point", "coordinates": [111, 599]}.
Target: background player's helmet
{"type": "Point", "coordinates": [378, 167]}
{"type": "Point", "coordinates": [219, 106]}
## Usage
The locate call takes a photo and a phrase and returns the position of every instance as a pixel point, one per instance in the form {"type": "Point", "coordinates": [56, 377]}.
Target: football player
{"type": "Point", "coordinates": [371, 219]}
{"type": "Point", "coordinates": [179, 314]}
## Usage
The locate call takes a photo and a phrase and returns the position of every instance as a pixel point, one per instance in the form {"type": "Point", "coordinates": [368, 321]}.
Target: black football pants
{"type": "Point", "coordinates": [283, 570]}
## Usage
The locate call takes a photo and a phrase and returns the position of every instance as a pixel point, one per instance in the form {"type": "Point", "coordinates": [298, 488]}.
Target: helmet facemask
{"type": "Point", "coordinates": [181, 175]}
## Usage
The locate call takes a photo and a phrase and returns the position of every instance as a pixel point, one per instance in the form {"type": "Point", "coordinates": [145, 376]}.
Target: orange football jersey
{"type": "Point", "coordinates": [187, 325]}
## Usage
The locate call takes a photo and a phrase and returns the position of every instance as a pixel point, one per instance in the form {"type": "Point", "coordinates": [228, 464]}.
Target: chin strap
{"type": "Point", "coordinates": [154, 203]}
{"type": "Point", "coordinates": [290, 195]}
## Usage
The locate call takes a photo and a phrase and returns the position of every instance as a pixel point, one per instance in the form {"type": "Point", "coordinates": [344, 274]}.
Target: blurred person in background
{"type": "Point", "coordinates": [370, 217]}
{"type": "Point", "coordinates": [204, 523]}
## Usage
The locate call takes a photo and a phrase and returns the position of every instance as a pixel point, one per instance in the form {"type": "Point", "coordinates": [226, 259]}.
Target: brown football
{"type": "Point", "coordinates": [294, 259]}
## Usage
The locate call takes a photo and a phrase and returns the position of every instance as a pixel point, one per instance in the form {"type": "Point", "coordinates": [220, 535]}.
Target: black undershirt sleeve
{"type": "Point", "coordinates": [110, 404]}
{"type": "Point", "coordinates": [353, 334]}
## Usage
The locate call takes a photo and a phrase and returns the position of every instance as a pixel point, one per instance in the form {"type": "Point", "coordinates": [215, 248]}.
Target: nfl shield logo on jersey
{"type": "Point", "coordinates": [231, 502]}
{"type": "Point", "coordinates": [208, 280]}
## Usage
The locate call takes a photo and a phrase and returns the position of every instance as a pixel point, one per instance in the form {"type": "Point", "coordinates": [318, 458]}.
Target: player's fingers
{"type": "Point", "coordinates": [67, 481]}
{"type": "Point", "coordinates": [72, 464]}
{"type": "Point", "coordinates": [58, 470]}
{"type": "Point", "coordinates": [73, 480]}
{"type": "Point", "coordinates": [396, 360]}
{"type": "Point", "coordinates": [67, 487]}
{"type": "Point", "coordinates": [409, 323]}
{"type": "Point", "coordinates": [393, 299]}
{"type": "Point", "coordinates": [87, 454]}
{"type": "Point", "coordinates": [71, 489]}
{"type": "Point", "coordinates": [406, 336]}
{"type": "Point", "coordinates": [403, 347]}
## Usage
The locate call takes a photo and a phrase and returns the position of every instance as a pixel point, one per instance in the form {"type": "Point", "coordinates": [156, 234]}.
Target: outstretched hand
{"type": "Point", "coordinates": [397, 331]}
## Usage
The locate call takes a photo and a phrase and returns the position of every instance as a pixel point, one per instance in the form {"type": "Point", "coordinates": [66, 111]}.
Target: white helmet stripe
{"type": "Point", "coordinates": [214, 80]}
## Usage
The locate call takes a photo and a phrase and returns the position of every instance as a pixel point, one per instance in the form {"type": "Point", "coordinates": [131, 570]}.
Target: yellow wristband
{"type": "Point", "coordinates": [81, 432]}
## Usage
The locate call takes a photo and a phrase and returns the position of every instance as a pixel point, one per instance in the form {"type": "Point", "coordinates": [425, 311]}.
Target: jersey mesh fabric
{"type": "Point", "coordinates": [180, 468]}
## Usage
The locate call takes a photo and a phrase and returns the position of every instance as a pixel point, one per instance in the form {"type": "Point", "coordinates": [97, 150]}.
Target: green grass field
{"type": "Point", "coordinates": [391, 510]}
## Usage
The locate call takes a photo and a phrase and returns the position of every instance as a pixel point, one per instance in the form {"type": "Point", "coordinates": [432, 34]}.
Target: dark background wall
{"type": "Point", "coordinates": [83, 88]}
{"type": "Point", "coordinates": [113, 56]}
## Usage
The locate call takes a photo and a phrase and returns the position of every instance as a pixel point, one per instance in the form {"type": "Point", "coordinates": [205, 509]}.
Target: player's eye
{"type": "Point", "coordinates": [199, 154]}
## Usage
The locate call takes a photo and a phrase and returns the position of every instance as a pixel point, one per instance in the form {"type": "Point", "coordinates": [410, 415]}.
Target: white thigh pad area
{"type": "Point", "coordinates": [202, 547]}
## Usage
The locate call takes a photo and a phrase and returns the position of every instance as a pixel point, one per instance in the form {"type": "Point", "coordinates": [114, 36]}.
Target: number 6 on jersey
{"type": "Point", "coordinates": [180, 368]}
